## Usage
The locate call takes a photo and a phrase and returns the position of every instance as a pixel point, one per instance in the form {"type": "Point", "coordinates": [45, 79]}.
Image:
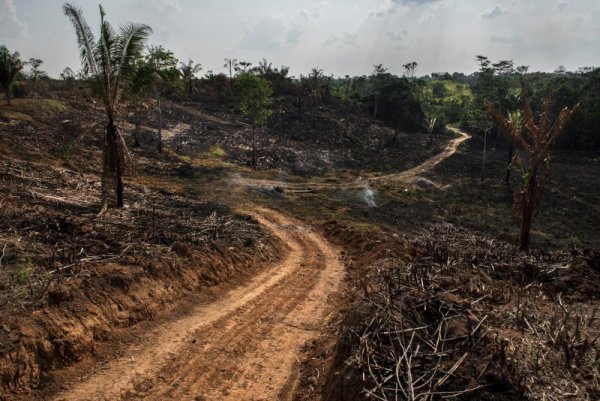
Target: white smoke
{"type": "Point", "coordinates": [368, 196]}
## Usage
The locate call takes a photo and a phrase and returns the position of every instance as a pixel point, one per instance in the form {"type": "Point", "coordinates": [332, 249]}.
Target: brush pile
{"type": "Point", "coordinates": [471, 318]}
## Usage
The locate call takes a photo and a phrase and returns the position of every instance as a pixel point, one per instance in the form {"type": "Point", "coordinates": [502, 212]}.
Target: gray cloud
{"type": "Point", "coordinates": [347, 38]}
{"type": "Point", "coordinates": [397, 36]}
{"type": "Point", "coordinates": [508, 39]}
{"type": "Point", "coordinates": [493, 13]}
{"type": "Point", "coordinates": [266, 35]}
{"type": "Point", "coordinates": [10, 24]}
{"type": "Point", "coordinates": [303, 20]}
{"type": "Point", "coordinates": [274, 32]}
{"type": "Point", "coordinates": [390, 7]}
{"type": "Point", "coordinates": [561, 5]}
{"type": "Point", "coordinates": [170, 5]}
{"type": "Point", "coordinates": [415, 2]}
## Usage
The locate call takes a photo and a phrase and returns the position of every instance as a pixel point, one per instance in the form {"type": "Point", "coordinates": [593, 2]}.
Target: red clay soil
{"type": "Point", "coordinates": [360, 250]}
{"type": "Point", "coordinates": [245, 345]}
{"type": "Point", "coordinates": [73, 316]}
{"type": "Point", "coordinates": [75, 286]}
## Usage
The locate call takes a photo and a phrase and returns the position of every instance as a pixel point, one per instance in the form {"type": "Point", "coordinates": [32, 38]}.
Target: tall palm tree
{"type": "Point", "coordinates": [187, 73]}
{"type": "Point", "coordinates": [10, 67]}
{"type": "Point", "coordinates": [110, 61]}
{"type": "Point", "coordinates": [232, 65]}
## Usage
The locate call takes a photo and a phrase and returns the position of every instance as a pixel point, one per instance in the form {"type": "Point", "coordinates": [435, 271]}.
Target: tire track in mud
{"type": "Point", "coordinates": [244, 346]}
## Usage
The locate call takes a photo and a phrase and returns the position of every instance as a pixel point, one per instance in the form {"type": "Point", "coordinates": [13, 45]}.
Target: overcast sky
{"type": "Point", "coordinates": [340, 36]}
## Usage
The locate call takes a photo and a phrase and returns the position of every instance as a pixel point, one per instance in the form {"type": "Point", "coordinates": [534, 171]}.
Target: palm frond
{"type": "Point", "coordinates": [507, 127]}
{"type": "Point", "coordinates": [563, 118]}
{"type": "Point", "coordinates": [128, 47]}
{"type": "Point", "coordinates": [85, 38]}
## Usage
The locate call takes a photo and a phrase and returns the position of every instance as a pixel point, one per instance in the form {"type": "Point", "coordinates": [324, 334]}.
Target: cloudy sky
{"type": "Point", "coordinates": [340, 36]}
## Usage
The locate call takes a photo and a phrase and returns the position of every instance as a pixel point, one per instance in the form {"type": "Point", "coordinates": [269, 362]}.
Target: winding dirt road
{"type": "Point", "coordinates": [244, 346]}
{"type": "Point", "coordinates": [407, 176]}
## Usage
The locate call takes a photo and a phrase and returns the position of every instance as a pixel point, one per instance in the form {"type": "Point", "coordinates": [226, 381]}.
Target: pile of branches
{"type": "Point", "coordinates": [473, 318]}
{"type": "Point", "coordinates": [417, 337]}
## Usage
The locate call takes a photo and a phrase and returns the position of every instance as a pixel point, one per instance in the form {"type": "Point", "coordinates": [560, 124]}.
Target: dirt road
{"type": "Point", "coordinates": [244, 346]}
{"type": "Point", "coordinates": [408, 176]}
{"type": "Point", "coordinates": [428, 164]}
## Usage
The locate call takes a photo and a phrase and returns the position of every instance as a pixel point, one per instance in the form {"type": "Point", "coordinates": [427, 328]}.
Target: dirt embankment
{"type": "Point", "coordinates": [79, 310]}
{"type": "Point", "coordinates": [243, 346]}
{"type": "Point", "coordinates": [74, 285]}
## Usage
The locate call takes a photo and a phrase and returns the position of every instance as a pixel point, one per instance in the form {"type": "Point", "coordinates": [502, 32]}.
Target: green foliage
{"type": "Point", "coordinates": [392, 99]}
{"type": "Point", "coordinates": [256, 97]}
{"type": "Point", "coordinates": [217, 152]}
{"type": "Point", "coordinates": [67, 148]}
{"type": "Point", "coordinates": [21, 274]}
{"type": "Point", "coordinates": [188, 72]}
{"type": "Point", "coordinates": [10, 68]}
{"type": "Point", "coordinates": [111, 60]}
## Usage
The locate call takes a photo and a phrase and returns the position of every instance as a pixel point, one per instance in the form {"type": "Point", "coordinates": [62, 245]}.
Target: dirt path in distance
{"type": "Point", "coordinates": [246, 346]}
{"type": "Point", "coordinates": [429, 164]}
{"type": "Point", "coordinates": [408, 176]}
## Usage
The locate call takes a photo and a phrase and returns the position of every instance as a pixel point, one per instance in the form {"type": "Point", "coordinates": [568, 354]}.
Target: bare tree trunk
{"type": "Point", "coordinates": [312, 113]}
{"type": "Point", "coordinates": [112, 169]}
{"type": "Point", "coordinates": [106, 172]}
{"type": "Point", "coordinates": [115, 160]}
{"type": "Point", "coordinates": [484, 151]}
{"type": "Point", "coordinates": [375, 107]}
{"type": "Point", "coordinates": [7, 94]}
{"type": "Point", "coordinates": [528, 209]}
{"type": "Point", "coordinates": [159, 134]}
{"type": "Point", "coordinates": [508, 165]}
{"type": "Point", "coordinates": [136, 133]}
{"type": "Point", "coordinates": [253, 146]}
{"type": "Point", "coordinates": [137, 130]}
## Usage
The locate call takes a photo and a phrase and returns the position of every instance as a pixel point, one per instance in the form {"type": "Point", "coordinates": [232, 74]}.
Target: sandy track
{"type": "Point", "coordinates": [244, 346]}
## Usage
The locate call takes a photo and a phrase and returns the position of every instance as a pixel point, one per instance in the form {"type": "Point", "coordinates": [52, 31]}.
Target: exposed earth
{"type": "Point", "coordinates": [315, 277]}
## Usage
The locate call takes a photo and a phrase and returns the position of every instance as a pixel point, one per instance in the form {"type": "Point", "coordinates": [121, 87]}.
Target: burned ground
{"type": "Point", "coordinates": [464, 315]}
{"type": "Point", "coordinates": [74, 286]}
{"type": "Point", "coordinates": [71, 279]}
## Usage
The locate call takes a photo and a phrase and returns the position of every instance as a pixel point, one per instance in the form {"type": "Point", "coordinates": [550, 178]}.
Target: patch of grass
{"type": "Point", "coordinates": [14, 115]}
{"type": "Point", "coordinates": [453, 89]}
{"type": "Point", "coordinates": [20, 275]}
{"type": "Point", "coordinates": [364, 226]}
{"type": "Point", "coordinates": [217, 152]}
{"type": "Point", "coordinates": [54, 105]}
{"type": "Point", "coordinates": [185, 159]}
{"type": "Point", "coordinates": [32, 109]}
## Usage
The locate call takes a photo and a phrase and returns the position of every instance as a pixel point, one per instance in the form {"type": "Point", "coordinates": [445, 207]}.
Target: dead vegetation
{"type": "Point", "coordinates": [468, 317]}
{"type": "Point", "coordinates": [70, 278]}
{"type": "Point", "coordinates": [534, 161]}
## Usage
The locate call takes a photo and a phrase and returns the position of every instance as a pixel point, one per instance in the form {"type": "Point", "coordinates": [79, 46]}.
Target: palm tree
{"type": "Point", "coordinates": [265, 68]}
{"type": "Point", "coordinates": [10, 67]}
{"type": "Point", "coordinates": [187, 73]}
{"type": "Point", "coordinates": [534, 139]}
{"type": "Point", "coordinates": [232, 65]}
{"type": "Point", "coordinates": [110, 62]}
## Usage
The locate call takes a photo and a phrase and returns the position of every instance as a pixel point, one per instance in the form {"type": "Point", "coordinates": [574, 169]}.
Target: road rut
{"type": "Point", "coordinates": [244, 346]}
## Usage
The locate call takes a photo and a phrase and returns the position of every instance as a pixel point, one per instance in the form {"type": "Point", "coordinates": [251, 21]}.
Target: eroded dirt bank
{"type": "Point", "coordinates": [245, 346]}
